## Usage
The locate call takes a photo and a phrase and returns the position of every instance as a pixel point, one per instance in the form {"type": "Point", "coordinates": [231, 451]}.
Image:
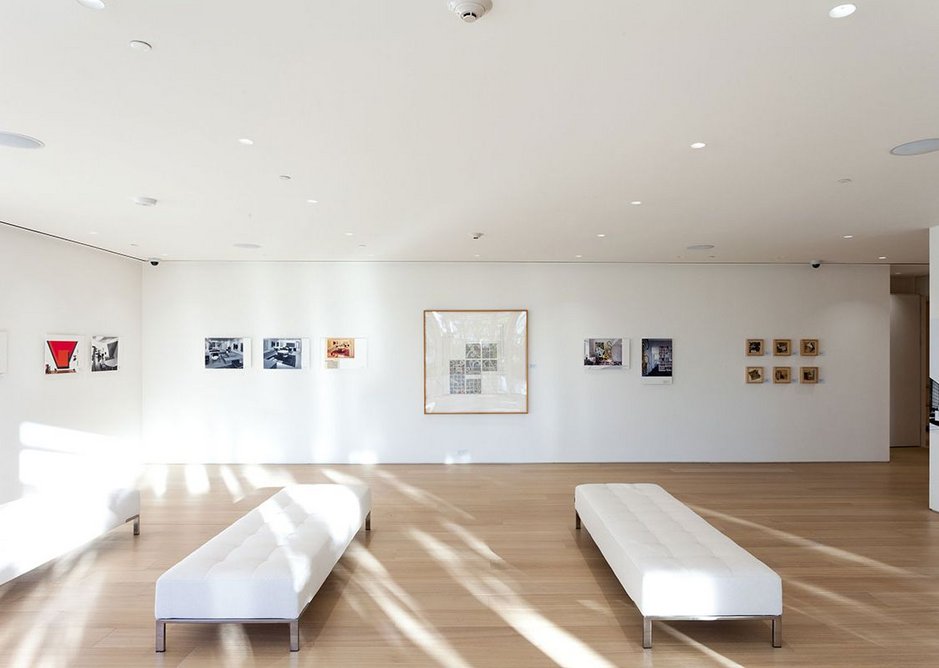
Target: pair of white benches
{"type": "Point", "coordinates": [268, 565]}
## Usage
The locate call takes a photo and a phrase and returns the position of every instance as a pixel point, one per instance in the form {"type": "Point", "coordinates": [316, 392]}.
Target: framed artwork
{"type": "Point", "coordinates": [475, 361]}
{"type": "Point", "coordinates": [782, 347]}
{"type": "Point", "coordinates": [283, 353]}
{"type": "Point", "coordinates": [104, 353]}
{"type": "Point", "coordinates": [227, 353]}
{"type": "Point", "coordinates": [345, 353]}
{"type": "Point", "coordinates": [4, 340]}
{"type": "Point", "coordinates": [754, 347]}
{"type": "Point", "coordinates": [782, 374]}
{"type": "Point", "coordinates": [808, 375]}
{"type": "Point", "coordinates": [755, 374]}
{"type": "Point", "coordinates": [606, 353]}
{"type": "Point", "coordinates": [61, 354]}
{"type": "Point", "coordinates": [657, 361]}
{"type": "Point", "coordinates": [808, 347]}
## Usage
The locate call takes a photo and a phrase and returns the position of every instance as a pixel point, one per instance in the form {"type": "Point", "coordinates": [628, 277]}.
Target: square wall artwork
{"type": "Point", "coordinates": [475, 361]}
{"type": "Point", "coordinates": [606, 353]}
{"type": "Point", "coordinates": [61, 354]}
{"type": "Point", "coordinates": [104, 353]}
{"type": "Point", "coordinates": [283, 353]}
{"type": "Point", "coordinates": [657, 361]}
{"type": "Point", "coordinates": [227, 353]}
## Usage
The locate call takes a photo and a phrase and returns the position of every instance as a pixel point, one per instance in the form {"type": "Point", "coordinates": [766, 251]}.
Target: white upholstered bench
{"type": "Point", "coordinates": [268, 565]}
{"type": "Point", "coordinates": [673, 564]}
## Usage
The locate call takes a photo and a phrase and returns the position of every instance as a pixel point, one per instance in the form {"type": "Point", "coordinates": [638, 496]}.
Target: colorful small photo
{"type": "Point", "coordinates": [342, 349]}
{"type": "Point", "coordinates": [61, 354]}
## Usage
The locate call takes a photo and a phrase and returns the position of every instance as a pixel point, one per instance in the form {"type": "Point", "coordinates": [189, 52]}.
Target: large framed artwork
{"type": "Point", "coordinates": [61, 354]}
{"type": "Point", "coordinates": [475, 361]}
{"type": "Point", "coordinates": [657, 361]}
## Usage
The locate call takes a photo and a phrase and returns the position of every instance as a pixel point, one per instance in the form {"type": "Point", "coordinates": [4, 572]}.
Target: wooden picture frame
{"type": "Point", "coordinates": [782, 347]}
{"type": "Point", "coordinates": [755, 375]}
{"type": "Point", "coordinates": [808, 375]}
{"type": "Point", "coordinates": [475, 361]}
{"type": "Point", "coordinates": [782, 375]}
{"type": "Point", "coordinates": [808, 347]}
{"type": "Point", "coordinates": [754, 347]}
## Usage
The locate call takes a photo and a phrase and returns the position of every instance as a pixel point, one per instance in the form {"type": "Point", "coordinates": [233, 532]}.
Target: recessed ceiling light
{"type": "Point", "coordinates": [349, 234]}
{"type": "Point", "coordinates": [476, 255]}
{"type": "Point", "coordinates": [918, 147]}
{"type": "Point", "coordinates": [882, 257]}
{"type": "Point", "coordinates": [244, 141]}
{"type": "Point", "coordinates": [636, 202]}
{"type": "Point", "coordinates": [601, 236]}
{"type": "Point", "coordinates": [247, 246]}
{"type": "Point", "coordinates": [93, 233]}
{"type": "Point", "coordinates": [285, 177]}
{"type": "Point", "coordinates": [145, 201]}
{"type": "Point", "coordinates": [164, 254]}
{"type": "Point", "coordinates": [700, 247]}
{"type": "Point", "coordinates": [848, 236]}
{"type": "Point", "coordinates": [842, 11]}
{"type": "Point", "coordinates": [578, 256]}
{"type": "Point", "coordinates": [845, 180]}
{"type": "Point", "coordinates": [362, 246]}
{"type": "Point", "coordinates": [91, 4]}
{"type": "Point", "coordinates": [897, 273]}
{"type": "Point", "coordinates": [698, 144]}
{"type": "Point", "coordinates": [134, 245]}
{"type": "Point", "coordinates": [312, 201]}
{"type": "Point", "coordinates": [139, 45]}
{"type": "Point", "coordinates": [16, 140]}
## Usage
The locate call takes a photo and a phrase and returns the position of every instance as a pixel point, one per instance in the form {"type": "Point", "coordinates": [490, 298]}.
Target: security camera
{"type": "Point", "coordinates": [154, 262]}
{"type": "Point", "coordinates": [815, 264]}
{"type": "Point", "coordinates": [477, 236]}
{"type": "Point", "coordinates": [470, 10]}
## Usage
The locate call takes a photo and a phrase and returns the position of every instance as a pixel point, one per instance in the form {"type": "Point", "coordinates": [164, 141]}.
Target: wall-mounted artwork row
{"type": "Point", "coordinates": [657, 361]}
{"type": "Point", "coordinates": [227, 353]}
{"type": "Point", "coordinates": [475, 361]}
{"type": "Point", "coordinates": [104, 351]}
{"type": "Point", "coordinates": [61, 354]}
{"type": "Point", "coordinates": [606, 353]}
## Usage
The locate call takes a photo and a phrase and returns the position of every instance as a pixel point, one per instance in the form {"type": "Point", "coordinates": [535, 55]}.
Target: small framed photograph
{"type": "Point", "coordinates": [755, 374]}
{"type": "Point", "coordinates": [782, 375]}
{"type": "Point", "coordinates": [782, 347]}
{"type": "Point", "coordinates": [808, 375]}
{"type": "Point", "coordinates": [754, 348]}
{"type": "Point", "coordinates": [808, 347]}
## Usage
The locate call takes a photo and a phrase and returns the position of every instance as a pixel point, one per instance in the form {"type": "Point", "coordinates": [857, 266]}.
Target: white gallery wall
{"type": "Point", "coordinates": [49, 286]}
{"type": "Point", "coordinates": [191, 414]}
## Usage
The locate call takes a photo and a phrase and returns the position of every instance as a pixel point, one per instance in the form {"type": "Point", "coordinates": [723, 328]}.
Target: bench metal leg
{"type": "Point", "coordinates": [777, 631]}
{"type": "Point", "coordinates": [136, 519]}
{"type": "Point", "coordinates": [295, 635]}
{"type": "Point", "coordinates": [647, 633]}
{"type": "Point", "coordinates": [368, 522]}
{"type": "Point", "coordinates": [160, 636]}
{"type": "Point", "coordinates": [576, 520]}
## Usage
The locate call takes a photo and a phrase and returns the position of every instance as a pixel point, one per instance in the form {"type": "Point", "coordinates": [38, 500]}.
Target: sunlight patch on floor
{"type": "Point", "coordinates": [231, 483]}
{"type": "Point", "coordinates": [717, 657]}
{"type": "Point", "coordinates": [421, 496]}
{"type": "Point", "coordinates": [197, 479]}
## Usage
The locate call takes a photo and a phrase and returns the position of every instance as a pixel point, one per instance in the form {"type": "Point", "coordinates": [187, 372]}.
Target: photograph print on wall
{"type": "Point", "coordinates": [754, 374]}
{"type": "Point", "coordinates": [604, 353]}
{"type": "Point", "coordinates": [657, 361]}
{"type": "Point", "coordinates": [225, 353]}
{"type": "Point", "coordinates": [754, 347]}
{"type": "Point", "coordinates": [103, 353]}
{"type": "Point", "coordinates": [61, 354]}
{"type": "Point", "coordinates": [782, 347]}
{"type": "Point", "coordinates": [283, 353]}
{"type": "Point", "coordinates": [781, 375]}
{"type": "Point", "coordinates": [808, 347]}
{"type": "Point", "coordinates": [340, 349]}
{"type": "Point", "coordinates": [808, 375]}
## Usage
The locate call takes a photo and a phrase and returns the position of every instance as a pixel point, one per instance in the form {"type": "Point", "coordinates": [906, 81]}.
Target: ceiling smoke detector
{"type": "Point", "coordinates": [470, 10]}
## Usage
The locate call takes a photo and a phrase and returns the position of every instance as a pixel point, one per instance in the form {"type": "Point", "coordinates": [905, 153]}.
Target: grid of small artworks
{"type": "Point", "coordinates": [466, 373]}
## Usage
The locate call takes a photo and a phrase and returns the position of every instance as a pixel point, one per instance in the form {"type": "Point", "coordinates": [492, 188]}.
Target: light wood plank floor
{"type": "Point", "coordinates": [480, 565]}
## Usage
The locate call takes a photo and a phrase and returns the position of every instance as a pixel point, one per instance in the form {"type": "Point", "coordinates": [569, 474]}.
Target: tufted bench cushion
{"type": "Point", "coordinates": [269, 564]}
{"type": "Point", "coordinates": [670, 561]}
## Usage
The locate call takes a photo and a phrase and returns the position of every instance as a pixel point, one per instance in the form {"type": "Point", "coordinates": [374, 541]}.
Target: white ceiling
{"type": "Point", "coordinates": [537, 125]}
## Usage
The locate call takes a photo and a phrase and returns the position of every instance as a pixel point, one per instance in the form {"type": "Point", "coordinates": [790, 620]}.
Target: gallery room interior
{"type": "Point", "coordinates": [468, 333]}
